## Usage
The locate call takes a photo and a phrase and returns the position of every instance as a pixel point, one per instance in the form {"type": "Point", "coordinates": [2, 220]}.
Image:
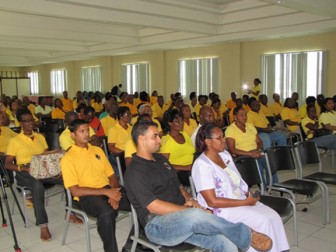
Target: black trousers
{"type": "Point", "coordinates": [99, 208]}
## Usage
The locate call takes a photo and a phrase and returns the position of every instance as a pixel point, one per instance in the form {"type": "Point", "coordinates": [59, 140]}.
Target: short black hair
{"type": "Point", "coordinates": [140, 128]}
{"type": "Point", "coordinates": [75, 124]}
{"type": "Point", "coordinates": [22, 112]}
{"type": "Point", "coordinates": [88, 109]}
{"type": "Point", "coordinates": [122, 110]}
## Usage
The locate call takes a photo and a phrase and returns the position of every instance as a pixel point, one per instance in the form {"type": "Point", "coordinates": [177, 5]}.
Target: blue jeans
{"type": "Point", "coordinates": [197, 227]}
{"type": "Point", "coordinates": [263, 169]}
{"type": "Point", "coordinates": [277, 137]}
{"type": "Point", "coordinates": [328, 141]}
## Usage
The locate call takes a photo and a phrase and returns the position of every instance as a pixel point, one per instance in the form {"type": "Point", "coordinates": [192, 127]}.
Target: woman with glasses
{"type": "Point", "coordinates": [21, 148]}
{"type": "Point", "coordinates": [221, 189]}
{"type": "Point", "coordinates": [176, 145]}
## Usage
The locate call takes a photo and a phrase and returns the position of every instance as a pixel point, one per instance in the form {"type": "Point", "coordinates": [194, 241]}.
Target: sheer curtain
{"type": "Point", "coordinates": [285, 73]}
{"type": "Point", "coordinates": [136, 77]}
{"type": "Point", "coordinates": [199, 75]}
{"type": "Point", "coordinates": [58, 80]}
{"type": "Point", "coordinates": [91, 78]}
{"type": "Point", "coordinates": [34, 82]}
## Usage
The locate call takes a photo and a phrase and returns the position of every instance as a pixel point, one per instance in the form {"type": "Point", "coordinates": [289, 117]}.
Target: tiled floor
{"type": "Point", "coordinates": [313, 236]}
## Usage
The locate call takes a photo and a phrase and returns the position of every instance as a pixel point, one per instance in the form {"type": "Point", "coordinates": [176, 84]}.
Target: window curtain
{"type": "Point", "coordinates": [34, 82]}
{"type": "Point", "coordinates": [91, 79]}
{"type": "Point", "coordinates": [58, 81]}
{"type": "Point", "coordinates": [136, 77]}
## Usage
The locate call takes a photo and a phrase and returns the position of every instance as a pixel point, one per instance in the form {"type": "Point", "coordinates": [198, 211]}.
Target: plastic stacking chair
{"type": "Point", "coordinates": [307, 153]}
{"type": "Point", "coordinates": [248, 169]}
{"type": "Point", "coordinates": [142, 239]}
{"type": "Point", "coordinates": [281, 158]}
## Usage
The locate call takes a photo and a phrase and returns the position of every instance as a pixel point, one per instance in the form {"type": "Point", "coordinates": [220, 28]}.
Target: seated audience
{"type": "Point", "coordinates": [93, 121]}
{"type": "Point", "coordinates": [220, 188]}
{"type": "Point", "coordinates": [206, 116]}
{"type": "Point", "coordinates": [327, 118]}
{"type": "Point", "coordinates": [159, 108]}
{"type": "Point", "coordinates": [58, 112]}
{"type": "Point", "coordinates": [124, 102]}
{"type": "Point", "coordinates": [189, 124]}
{"type": "Point", "coordinates": [43, 110]}
{"type": "Point", "coordinates": [303, 108]}
{"type": "Point", "coordinates": [291, 116]}
{"type": "Point", "coordinates": [243, 140]}
{"type": "Point", "coordinates": [264, 108]}
{"type": "Point", "coordinates": [202, 100]}
{"type": "Point", "coordinates": [111, 107]}
{"type": "Point", "coordinates": [239, 104]}
{"type": "Point", "coordinates": [28, 104]}
{"type": "Point", "coordinates": [153, 98]}
{"type": "Point", "coordinates": [21, 148]}
{"type": "Point", "coordinates": [91, 180]}
{"type": "Point", "coordinates": [276, 106]}
{"type": "Point", "coordinates": [176, 145]}
{"type": "Point", "coordinates": [97, 104]}
{"type": "Point", "coordinates": [193, 101]}
{"type": "Point", "coordinates": [67, 103]}
{"type": "Point", "coordinates": [79, 97]}
{"type": "Point", "coordinates": [216, 107]}
{"type": "Point", "coordinates": [231, 104]}
{"type": "Point", "coordinates": [167, 212]}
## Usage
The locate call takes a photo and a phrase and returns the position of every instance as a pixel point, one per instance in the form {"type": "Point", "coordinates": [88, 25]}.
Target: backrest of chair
{"type": "Point", "coordinates": [307, 153]}
{"type": "Point", "coordinates": [135, 222]}
{"type": "Point", "coordinates": [249, 171]}
{"type": "Point", "coordinates": [104, 141]}
{"type": "Point", "coordinates": [52, 139]}
{"type": "Point", "coordinates": [69, 197]}
{"type": "Point", "coordinates": [121, 166]}
{"type": "Point", "coordinates": [280, 158]}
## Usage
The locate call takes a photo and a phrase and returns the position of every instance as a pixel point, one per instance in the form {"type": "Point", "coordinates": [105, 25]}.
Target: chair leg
{"type": "Point", "coordinates": [87, 233]}
{"type": "Point", "coordinates": [25, 212]}
{"type": "Point", "coordinates": [66, 228]}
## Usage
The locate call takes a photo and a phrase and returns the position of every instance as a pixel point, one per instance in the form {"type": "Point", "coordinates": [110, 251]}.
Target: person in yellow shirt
{"type": "Point", "coordinates": [264, 108]}
{"type": "Point", "coordinates": [176, 145]}
{"type": "Point", "coordinates": [231, 104]}
{"type": "Point", "coordinates": [189, 124]}
{"type": "Point", "coordinates": [111, 107]}
{"type": "Point", "coordinates": [30, 106]}
{"type": "Point", "coordinates": [327, 118]}
{"type": "Point", "coordinates": [202, 100]}
{"type": "Point", "coordinates": [303, 108]}
{"type": "Point", "coordinates": [146, 109]}
{"type": "Point", "coordinates": [153, 98]}
{"type": "Point", "coordinates": [136, 99]}
{"type": "Point", "coordinates": [90, 178]}
{"type": "Point", "coordinates": [159, 108]}
{"type": "Point", "coordinates": [216, 105]}
{"type": "Point", "coordinates": [21, 148]}
{"type": "Point", "coordinates": [290, 116]}
{"type": "Point", "coordinates": [276, 106]}
{"type": "Point", "coordinates": [97, 104]}
{"type": "Point", "coordinates": [65, 138]}
{"type": "Point", "coordinates": [319, 104]}
{"type": "Point", "coordinates": [79, 97]}
{"type": "Point", "coordinates": [58, 112]}
{"type": "Point", "coordinates": [124, 103]}
{"type": "Point", "coordinates": [192, 102]}
{"type": "Point", "coordinates": [239, 104]}
{"type": "Point", "coordinates": [255, 91]}
{"type": "Point", "coordinates": [67, 103]}
{"type": "Point", "coordinates": [245, 99]}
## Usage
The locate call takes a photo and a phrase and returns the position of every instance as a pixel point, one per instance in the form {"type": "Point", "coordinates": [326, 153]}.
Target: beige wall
{"type": "Point", "coordinates": [240, 63]}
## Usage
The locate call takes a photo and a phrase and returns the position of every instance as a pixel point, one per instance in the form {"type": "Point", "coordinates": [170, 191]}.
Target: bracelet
{"type": "Point", "coordinates": [19, 168]}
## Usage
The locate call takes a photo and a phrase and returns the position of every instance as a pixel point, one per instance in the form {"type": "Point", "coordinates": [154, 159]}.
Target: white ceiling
{"type": "Point", "coordinates": [34, 32]}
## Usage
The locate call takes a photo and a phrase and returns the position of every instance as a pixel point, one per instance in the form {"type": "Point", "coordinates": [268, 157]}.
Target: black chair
{"type": "Point", "coordinates": [307, 154]}
{"type": "Point", "coordinates": [53, 127]}
{"type": "Point", "coordinates": [281, 158]}
{"type": "Point", "coordinates": [52, 139]}
{"type": "Point", "coordinates": [248, 169]}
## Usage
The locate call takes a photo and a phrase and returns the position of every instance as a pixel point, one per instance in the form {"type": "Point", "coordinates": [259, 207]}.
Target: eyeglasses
{"type": "Point", "coordinates": [127, 114]}
{"type": "Point", "coordinates": [28, 121]}
{"type": "Point", "coordinates": [220, 138]}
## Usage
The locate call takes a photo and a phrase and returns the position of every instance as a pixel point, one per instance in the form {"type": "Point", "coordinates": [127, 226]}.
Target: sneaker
{"type": "Point", "coordinates": [260, 242]}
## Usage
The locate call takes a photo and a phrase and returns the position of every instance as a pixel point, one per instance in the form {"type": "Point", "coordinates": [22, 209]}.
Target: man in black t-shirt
{"type": "Point", "coordinates": [168, 213]}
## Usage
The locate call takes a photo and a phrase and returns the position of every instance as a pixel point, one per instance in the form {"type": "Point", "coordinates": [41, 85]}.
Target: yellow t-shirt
{"type": "Point", "coordinates": [98, 107]}
{"type": "Point", "coordinates": [328, 118]}
{"type": "Point", "coordinates": [245, 141]}
{"type": "Point", "coordinates": [130, 148]}
{"type": "Point", "coordinates": [256, 89]}
{"type": "Point", "coordinates": [276, 108]}
{"type": "Point", "coordinates": [86, 167]}
{"type": "Point", "coordinates": [67, 104]}
{"type": "Point", "coordinates": [158, 111]}
{"type": "Point", "coordinates": [265, 110]}
{"type": "Point", "coordinates": [57, 113]}
{"type": "Point", "coordinates": [258, 120]}
{"type": "Point", "coordinates": [132, 108]}
{"type": "Point", "coordinates": [107, 122]}
{"type": "Point", "coordinates": [292, 115]}
{"type": "Point", "coordinates": [5, 135]}
{"type": "Point", "coordinates": [304, 122]}
{"type": "Point", "coordinates": [230, 104]}
{"type": "Point", "coordinates": [119, 136]}
{"type": "Point", "coordinates": [153, 100]}
{"type": "Point", "coordinates": [180, 154]}
{"type": "Point", "coordinates": [66, 140]}
{"type": "Point", "coordinates": [303, 111]}
{"type": "Point", "coordinates": [189, 129]}
{"type": "Point", "coordinates": [22, 147]}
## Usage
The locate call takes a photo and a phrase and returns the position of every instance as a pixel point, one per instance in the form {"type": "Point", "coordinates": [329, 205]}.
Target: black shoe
{"type": "Point", "coordinates": [139, 248]}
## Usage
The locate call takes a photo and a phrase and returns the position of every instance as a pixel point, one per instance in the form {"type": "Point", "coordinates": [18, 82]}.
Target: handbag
{"type": "Point", "coordinates": [322, 132]}
{"type": "Point", "coordinates": [46, 165]}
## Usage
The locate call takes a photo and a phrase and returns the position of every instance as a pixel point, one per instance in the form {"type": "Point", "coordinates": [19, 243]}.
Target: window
{"type": "Point", "coordinates": [34, 82]}
{"type": "Point", "coordinates": [136, 77]}
{"type": "Point", "coordinates": [91, 78]}
{"type": "Point", "coordinates": [302, 72]}
{"type": "Point", "coordinates": [58, 80]}
{"type": "Point", "coordinates": [199, 75]}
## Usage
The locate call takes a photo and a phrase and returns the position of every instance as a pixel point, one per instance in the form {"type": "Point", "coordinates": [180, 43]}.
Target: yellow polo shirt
{"type": "Point", "coordinates": [303, 111]}
{"type": "Point", "coordinates": [130, 148]}
{"type": "Point", "coordinates": [132, 108]}
{"type": "Point", "coordinates": [98, 107]}
{"type": "Point", "coordinates": [5, 135]}
{"type": "Point", "coordinates": [258, 120]}
{"type": "Point", "coordinates": [180, 154]}
{"type": "Point", "coordinates": [255, 89]}
{"type": "Point", "coordinates": [304, 122]}
{"type": "Point", "coordinates": [86, 167]}
{"type": "Point", "coordinates": [245, 141]}
{"type": "Point", "coordinates": [57, 113]}
{"type": "Point", "coordinates": [158, 111]}
{"type": "Point", "coordinates": [135, 119]}
{"type": "Point", "coordinates": [153, 100]}
{"type": "Point", "coordinates": [22, 147]}
{"type": "Point", "coordinates": [107, 122]}
{"type": "Point", "coordinates": [67, 104]}
{"type": "Point", "coordinates": [66, 140]}
{"type": "Point", "coordinates": [189, 129]}
{"type": "Point", "coordinates": [276, 108]}
{"type": "Point", "coordinates": [119, 136]}
{"type": "Point", "coordinates": [266, 110]}
{"type": "Point", "coordinates": [292, 115]}
{"type": "Point", "coordinates": [230, 104]}
{"type": "Point", "coordinates": [328, 118]}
